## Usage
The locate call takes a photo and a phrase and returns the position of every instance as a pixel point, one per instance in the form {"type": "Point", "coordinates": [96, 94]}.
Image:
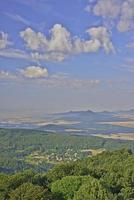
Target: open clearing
{"type": "Point", "coordinates": [117, 136]}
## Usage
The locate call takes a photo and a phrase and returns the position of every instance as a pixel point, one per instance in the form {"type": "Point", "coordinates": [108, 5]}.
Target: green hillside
{"type": "Point", "coordinates": [26, 149]}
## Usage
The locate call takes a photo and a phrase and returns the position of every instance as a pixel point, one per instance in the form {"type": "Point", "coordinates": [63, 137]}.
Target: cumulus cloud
{"type": "Point", "coordinates": [126, 21]}
{"type": "Point", "coordinates": [107, 8]}
{"type": "Point", "coordinates": [30, 72]}
{"type": "Point", "coordinates": [58, 45]}
{"type": "Point", "coordinates": [60, 39]}
{"type": "Point", "coordinates": [88, 46]}
{"type": "Point", "coordinates": [99, 38]}
{"type": "Point", "coordinates": [103, 36]}
{"type": "Point", "coordinates": [34, 72]}
{"type": "Point", "coordinates": [33, 40]}
{"type": "Point", "coordinates": [3, 40]}
{"type": "Point", "coordinates": [118, 12]}
{"type": "Point", "coordinates": [61, 44]}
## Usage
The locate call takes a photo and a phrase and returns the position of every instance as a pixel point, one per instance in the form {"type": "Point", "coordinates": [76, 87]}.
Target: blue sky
{"type": "Point", "coordinates": [66, 55]}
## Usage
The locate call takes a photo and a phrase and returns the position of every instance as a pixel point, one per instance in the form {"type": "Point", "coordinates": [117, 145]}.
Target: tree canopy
{"type": "Point", "coordinates": [108, 176]}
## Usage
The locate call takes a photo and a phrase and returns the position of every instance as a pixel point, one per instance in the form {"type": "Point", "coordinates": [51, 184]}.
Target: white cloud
{"type": "Point", "coordinates": [61, 44]}
{"type": "Point", "coordinates": [60, 39]}
{"type": "Point", "coordinates": [34, 72]}
{"type": "Point", "coordinates": [34, 41]}
{"type": "Point", "coordinates": [57, 46]}
{"type": "Point", "coordinates": [88, 46]}
{"type": "Point", "coordinates": [99, 38]}
{"type": "Point", "coordinates": [3, 40]}
{"type": "Point", "coordinates": [107, 8]}
{"type": "Point", "coordinates": [15, 53]}
{"type": "Point", "coordinates": [32, 56]}
{"type": "Point", "coordinates": [51, 56]}
{"type": "Point", "coordinates": [103, 36]}
{"type": "Point", "coordinates": [118, 12]}
{"type": "Point", "coordinates": [126, 21]}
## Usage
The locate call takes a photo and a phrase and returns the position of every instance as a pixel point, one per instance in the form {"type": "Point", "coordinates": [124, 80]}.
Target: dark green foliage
{"type": "Point", "coordinates": [25, 185]}
{"type": "Point", "coordinates": [108, 176]}
{"type": "Point", "coordinates": [67, 169]}
{"type": "Point", "coordinates": [28, 191]}
{"type": "Point", "coordinates": [126, 194]}
{"type": "Point", "coordinates": [69, 185]}
{"type": "Point", "coordinates": [93, 190]}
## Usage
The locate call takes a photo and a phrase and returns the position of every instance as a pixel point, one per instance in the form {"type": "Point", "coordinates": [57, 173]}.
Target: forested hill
{"type": "Point", "coordinates": [108, 176]}
{"type": "Point", "coordinates": [25, 149]}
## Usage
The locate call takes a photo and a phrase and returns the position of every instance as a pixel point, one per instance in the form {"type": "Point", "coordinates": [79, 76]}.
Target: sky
{"type": "Point", "coordinates": [58, 55]}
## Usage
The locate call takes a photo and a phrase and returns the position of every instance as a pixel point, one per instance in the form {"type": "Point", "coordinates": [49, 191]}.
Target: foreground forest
{"type": "Point", "coordinates": [107, 176]}
{"type": "Point", "coordinates": [22, 149]}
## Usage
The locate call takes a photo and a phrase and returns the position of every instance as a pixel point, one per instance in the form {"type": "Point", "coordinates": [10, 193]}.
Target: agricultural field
{"type": "Point", "coordinates": [119, 136]}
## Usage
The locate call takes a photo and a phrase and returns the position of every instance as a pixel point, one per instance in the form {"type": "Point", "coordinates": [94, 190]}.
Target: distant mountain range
{"type": "Point", "coordinates": [78, 122]}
